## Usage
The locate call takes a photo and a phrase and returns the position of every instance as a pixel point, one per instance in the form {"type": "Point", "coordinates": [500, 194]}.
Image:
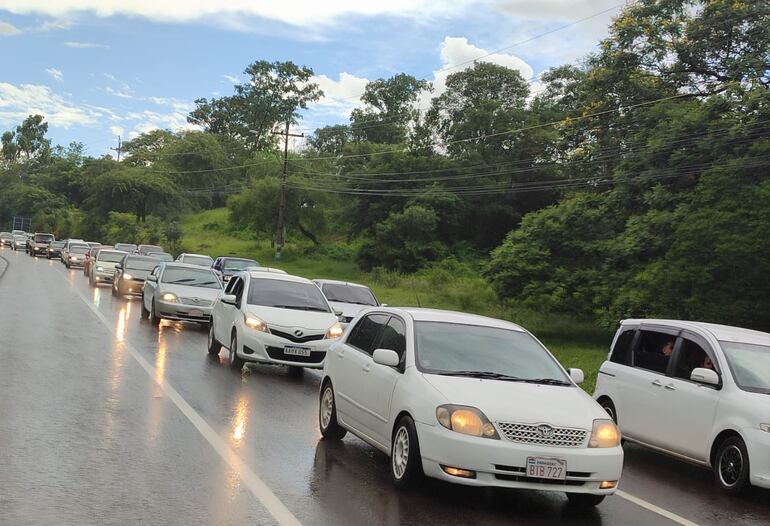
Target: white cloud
{"type": "Point", "coordinates": [17, 102]}
{"type": "Point", "coordinates": [56, 74]}
{"type": "Point", "coordinates": [557, 9]}
{"type": "Point", "coordinates": [52, 25]}
{"type": "Point", "coordinates": [116, 130]}
{"type": "Point", "coordinates": [7, 30]}
{"type": "Point", "coordinates": [305, 13]}
{"type": "Point", "coordinates": [109, 77]}
{"type": "Point", "coordinates": [340, 96]}
{"type": "Point", "coordinates": [86, 45]}
{"type": "Point", "coordinates": [232, 79]}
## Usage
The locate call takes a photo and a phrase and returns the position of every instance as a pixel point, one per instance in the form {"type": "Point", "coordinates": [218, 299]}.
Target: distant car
{"type": "Point", "coordinates": [469, 400]}
{"type": "Point", "coordinates": [54, 250]}
{"type": "Point", "coordinates": [200, 260]}
{"type": "Point", "coordinates": [265, 269]}
{"type": "Point", "coordinates": [163, 256]}
{"type": "Point", "coordinates": [228, 266]}
{"type": "Point", "coordinates": [68, 243]}
{"type": "Point", "coordinates": [129, 248]}
{"type": "Point", "coordinates": [273, 318]}
{"type": "Point", "coordinates": [93, 244]}
{"type": "Point", "coordinates": [102, 267]}
{"type": "Point", "coordinates": [697, 391]}
{"type": "Point", "coordinates": [350, 298]}
{"type": "Point", "coordinates": [19, 242]}
{"type": "Point", "coordinates": [75, 256]}
{"type": "Point", "coordinates": [143, 250]}
{"type": "Point", "coordinates": [90, 257]}
{"type": "Point", "coordinates": [179, 291]}
{"type": "Point", "coordinates": [6, 239]}
{"type": "Point", "coordinates": [38, 245]}
{"type": "Point", "coordinates": [131, 272]}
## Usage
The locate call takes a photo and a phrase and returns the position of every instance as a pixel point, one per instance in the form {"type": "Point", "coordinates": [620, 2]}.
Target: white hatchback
{"type": "Point", "coordinates": [469, 400]}
{"type": "Point", "coordinates": [697, 391]}
{"type": "Point", "coordinates": [273, 318]}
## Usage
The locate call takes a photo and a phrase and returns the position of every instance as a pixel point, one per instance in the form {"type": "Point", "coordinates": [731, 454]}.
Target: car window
{"type": "Point", "coordinates": [366, 332]}
{"type": "Point", "coordinates": [140, 264]}
{"type": "Point", "coordinates": [750, 365]}
{"type": "Point", "coordinates": [285, 294]}
{"type": "Point", "coordinates": [190, 277]}
{"type": "Point", "coordinates": [394, 337]}
{"type": "Point", "coordinates": [654, 351]}
{"type": "Point", "coordinates": [110, 257]}
{"type": "Point", "coordinates": [79, 249]}
{"type": "Point", "coordinates": [349, 294]}
{"type": "Point", "coordinates": [691, 356]}
{"type": "Point", "coordinates": [238, 291]}
{"type": "Point", "coordinates": [238, 264]}
{"type": "Point", "coordinates": [621, 352]}
{"type": "Point", "coordinates": [43, 238]}
{"type": "Point", "coordinates": [231, 284]}
{"type": "Point", "coordinates": [202, 261]}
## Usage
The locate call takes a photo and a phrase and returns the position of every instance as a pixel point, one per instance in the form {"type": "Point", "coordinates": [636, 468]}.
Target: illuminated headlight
{"type": "Point", "coordinates": [604, 434]}
{"type": "Point", "coordinates": [466, 420]}
{"type": "Point", "coordinates": [128, 276]}
{"type": "Point", "coordinates": [255, 323]}
{"type": "Point", "coordinates": [169, 297]}
{"type": "Point", "coordinates": [99, 269]}
{"type": "Point", "coordinates": [334, 332]}
{"type": "Point", "coordinates": [74, 258]}
{"type": "Point", "coordinates": [765, 427]}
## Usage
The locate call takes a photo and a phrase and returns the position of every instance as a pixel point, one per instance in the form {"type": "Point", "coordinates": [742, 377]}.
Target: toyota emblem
{"type": "Point", "coordinates": [298, 333]}
{"type": "Point", "coordinates": [545, 431]}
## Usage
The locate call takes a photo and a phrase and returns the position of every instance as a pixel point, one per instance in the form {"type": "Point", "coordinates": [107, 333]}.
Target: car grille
{"type": "Point", "coordinates": [529, 434]}
{"type": "Point", "coordinates": [199, 302]}
{"type": "Point", "coordinates": [296, 339]}
{"type": "Point", "coordinates": [276, 353]}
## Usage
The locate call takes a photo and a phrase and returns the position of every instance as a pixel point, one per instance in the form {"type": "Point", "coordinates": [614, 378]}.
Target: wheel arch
{"type": "Point", "coordinates": [721, 437]}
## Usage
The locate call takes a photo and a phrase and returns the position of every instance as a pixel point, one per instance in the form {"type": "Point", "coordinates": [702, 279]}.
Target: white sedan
{"type": "Point", "coordinates": [273, 318]}
{"type": "Point", "coordinates": [696, 391]}
{"type": "Point", "coordinates": [469, 400]}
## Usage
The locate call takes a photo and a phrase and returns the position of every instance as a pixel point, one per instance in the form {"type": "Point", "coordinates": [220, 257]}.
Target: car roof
{"type": "Point", "coordinates": [195, 255]}
{"type": "Point", "coordinates": [179, 264]}
{"type": "Point", "coordinates": [338, 282]}
{"type": "Point", "coordinates": [720, 332]}
{"type": "Point", "coordinates": [108, 250]}
{"type": "Point", "coordinates": [264, 269]}
{"type": "Point", "coordinates": [448, 316]}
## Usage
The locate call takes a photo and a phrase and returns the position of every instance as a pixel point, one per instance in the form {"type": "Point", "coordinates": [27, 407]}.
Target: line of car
{"type": "Point", "coordinates": [465, 398]}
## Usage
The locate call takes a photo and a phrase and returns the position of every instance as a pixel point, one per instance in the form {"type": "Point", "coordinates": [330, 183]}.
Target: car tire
{"type": "Point", "coordinates": [405, 459]}
{"type": "Point", "coordinates": [236, 362]}
{"type": "Point", "coordinates": [143, 312]}
{"type": "Point", "coordinates": [609, 408]}
{"type": "Point", "coordinates": [213, 345]}
{"type": "Point", "coordinates": [153, 316]}
{"type": "Point", "coordinates": [584, 500]}
{"type": "Point", "coordinates": [731, 468]}
{"type": "Point", "coordinates": [327, 414]}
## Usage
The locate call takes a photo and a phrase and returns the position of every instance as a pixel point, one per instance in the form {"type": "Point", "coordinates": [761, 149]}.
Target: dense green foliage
{"type": "Point", "coordinates": [632, 184]}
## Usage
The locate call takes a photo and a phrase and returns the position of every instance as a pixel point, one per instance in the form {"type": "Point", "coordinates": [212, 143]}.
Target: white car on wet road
{"type": "Point", "coordinates": [697, 391]}
{"type": "Point", "coordinates": [102, 269]}
{"type": "Point", "coordinates": [273, 318]}
{"type": "Point", "coordinates": [469, 400]}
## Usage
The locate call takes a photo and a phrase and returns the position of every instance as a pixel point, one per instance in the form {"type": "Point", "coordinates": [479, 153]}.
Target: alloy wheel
{"type": "Point", "coordinates": [400, 452]}
{"type": "Point", "coordinates": [730, 465]}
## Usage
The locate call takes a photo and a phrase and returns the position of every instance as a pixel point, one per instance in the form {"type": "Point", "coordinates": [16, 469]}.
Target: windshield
{"type": "Point", "coordinates": [238, 264]}
{"type": "Point", "coordinates": [43, 238]}
{"type": "Point", "coordinates": [110, 257]}
{"type": "Point", "coordinates": [450, 348]}
{"type": "Point", "coordinates": [349, 294]}
{"type": "Point", "coordinates": [750, 365]}
{"type": "Point", "coordinates": [20, 238]}
{"type": "Point", "coordinates": [141, 264]}
{"type": "Point", "coordinates": [57, 244]}
{"type": "Point", "coordinates": [79, 249]}
{"type": "Point", "coordinates": [190, 277]}
{"type": "Point", "coordinates": [201, 261]}
{"type": "Point", "coordinates": [287, 295]}
{"type": "Point", "coordinates": [125, 246]}
{"type": "Point", "coordinates": [161, 256]}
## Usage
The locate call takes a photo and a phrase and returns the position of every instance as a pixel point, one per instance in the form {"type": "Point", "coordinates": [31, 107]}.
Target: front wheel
{"type": "Point", "coordinates": [731, 468]}
{"type": "Point", "coordinates": [154, 318]}
{"type": "Point", "coordinates": [213, 345]}
{"type": "Point", "coordinates": [236, 362]}
{"type": "Point", "coordinates": [327, 415]}
{"type": "Point", "coordinates": [143, 312]}
{"type": "Point", "coordinates": [405, 459]}
{"type": "Point", "coordinates": [584, 500]}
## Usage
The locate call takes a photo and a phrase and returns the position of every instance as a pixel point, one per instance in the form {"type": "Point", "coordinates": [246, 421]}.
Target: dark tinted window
{"type": "Point", "coordinates": [654, 351]}
{"type": "Point", "coordinates": [190, 277]}
{"type": "Point", "coordinates": [621, 353]}
{"type": "Point", "coordinates": [691, 356]}
{"type": "Point", "coordinates": [238, 264]}
{"type": "Point", "coordinates": [286, 294]}
{"type": "Point", "coordinates": [394, 337]}
{"type": "Point", "coordinates": [141, 263]}
{"type": "Point", "coordinates": [79, 249]}
{"type": "Point", "coordinates": [43, 238]}
{"type": "Point", "coordinates": [162, 256]}
{"type": "Point", "coordinates": [238, 291]}
{"type": "Point", "coordinates": [366, 332]}
{"type": "Point", "coordinates": [111, 257]}
{"type": "Point", "coordinates": [349, 294]}
{"type": "Point", "coordinates": [201, 261]}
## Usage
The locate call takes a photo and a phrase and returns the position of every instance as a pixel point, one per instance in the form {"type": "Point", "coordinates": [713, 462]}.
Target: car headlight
{"type": "Point", "coordinates": [255, 323]}
{"type": "Point", "coordinates": [466, 420]}
{"type": "Point", "coordinates": [334, 332]}
{"type": "Point", "coordinates": [127, 276]}
{"type": "Point", "coordinates": [604, 434]}
{"type": "Point", "coordinates": [169, 297]}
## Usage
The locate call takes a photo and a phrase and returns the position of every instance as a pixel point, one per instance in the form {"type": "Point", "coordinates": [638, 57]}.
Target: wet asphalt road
{"type": "Point", "coordinates": [91, 432]}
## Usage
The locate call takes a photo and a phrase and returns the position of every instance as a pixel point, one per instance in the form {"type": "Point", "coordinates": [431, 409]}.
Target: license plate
{"type": "Point", "coordinates": [546, 468]}
{"type": "Point", "coordinates": [294, 350]}
{"type": "Point", "coordinates": [196, 313]}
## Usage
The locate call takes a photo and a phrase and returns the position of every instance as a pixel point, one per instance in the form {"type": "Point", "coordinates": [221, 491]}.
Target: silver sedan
{"type": "Point", "coordinates": [178, 291]}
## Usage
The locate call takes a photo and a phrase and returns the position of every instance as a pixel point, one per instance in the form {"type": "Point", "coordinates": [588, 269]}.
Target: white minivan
{"type": "Point", "coordinates": [697, 391]}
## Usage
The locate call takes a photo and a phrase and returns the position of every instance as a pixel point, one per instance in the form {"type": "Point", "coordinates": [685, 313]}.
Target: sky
{"type": "Point", "coordinates": [97, 69]}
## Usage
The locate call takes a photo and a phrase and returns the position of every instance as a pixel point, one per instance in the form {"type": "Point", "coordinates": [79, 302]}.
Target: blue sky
{"type": "Point", "coordinates": [98, 68]}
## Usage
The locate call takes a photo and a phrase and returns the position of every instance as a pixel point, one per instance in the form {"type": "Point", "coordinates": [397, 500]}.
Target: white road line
{"type": "Point", "coordinates": [256, 485]}
{"type": "Point", "coordinates": [655, 509]}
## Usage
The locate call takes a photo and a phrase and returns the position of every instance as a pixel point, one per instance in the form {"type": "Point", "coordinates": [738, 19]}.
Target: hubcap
{"type": "Point", "coordinates": [327, 403]}
{"type": "Point", "coordinates": [400, 452]}
{"type": "Point", "coordinates": [730, 465]}
{"type": "Point", "coordinates": [233, 343]}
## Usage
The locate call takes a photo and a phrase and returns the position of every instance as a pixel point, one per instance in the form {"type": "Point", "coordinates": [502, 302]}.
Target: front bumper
{"type": "Point", "coordinates": [131, 286]}
{"type": "Point", "coordinates": [104, 276]}
{"type": "Point", "coordinates": [75, 262]}
{"type": "Point", "coordinates": [39, 250]}
{"type": "Point", "coordinates": [184, 312]}
{"type": "Point", "coordinates": [758, 446]}
{"type": "Point", "coordinates": [502, 463]}
{"type": "Point", "coordinates": [269, 348]}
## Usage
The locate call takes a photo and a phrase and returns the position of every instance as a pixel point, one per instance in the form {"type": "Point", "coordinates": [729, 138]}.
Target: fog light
{"type": "Point", "coordinates": [457, 472]}
{"type": "Point", "coordinates": [608, 484]}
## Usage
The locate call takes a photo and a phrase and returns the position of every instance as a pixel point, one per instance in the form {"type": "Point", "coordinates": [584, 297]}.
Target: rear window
{"type": "Point", "coordinates": [287, 295]}
{"type": "Point", "coordinates": [349, 294]}
{"type": "Point", "coordinates": [43, 238]}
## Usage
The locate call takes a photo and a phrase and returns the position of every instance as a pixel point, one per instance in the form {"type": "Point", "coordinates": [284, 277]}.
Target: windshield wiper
{"type": "Point", "coordinates": [483, 374]}
{"type": "Point", "coordinates": [545, 381]}
{"type": "Point", "coordinates": [182, 280]}
{"type": "Point", "coordinates": [300, 307]}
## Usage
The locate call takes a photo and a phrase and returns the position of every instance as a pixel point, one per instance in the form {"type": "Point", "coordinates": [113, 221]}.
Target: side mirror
{"type": "Point", "coordinates": [118, 267]}
{"type": "Point", "coordinates": [230, 299]}
{"type": "Point", "coordinates": [154, 279]}
{"type": "Point", "coordinates": [383, 305]}
{"type": "Point", "coordinates": [338, 312]}
{"type": "Point", "coordinates": [704, 376]}
{"type": "Point", "coordinates": [386, 357]}
{"type": "Point", "coordinates": [577, 375]}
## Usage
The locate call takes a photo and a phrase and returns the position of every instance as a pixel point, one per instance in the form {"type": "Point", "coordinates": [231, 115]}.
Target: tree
{"type": "Point", "coordinates": [30, 137]}
{"type": "Point", "coordinates": [273, 93]}
{"type": "Point", "coordinates": [131, 190]}
{"type": "Point", "coordinates": [330, 139]}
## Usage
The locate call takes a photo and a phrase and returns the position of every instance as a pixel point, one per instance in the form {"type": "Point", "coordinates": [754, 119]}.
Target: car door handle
{"type": "Point", "coordinates": [656, 383]}
{"type": "Point", "coordinates": [670, 387]}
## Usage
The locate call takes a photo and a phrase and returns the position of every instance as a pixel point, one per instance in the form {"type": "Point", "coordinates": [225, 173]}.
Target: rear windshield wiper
{"type": "Point", "coordinates": [483, 374]}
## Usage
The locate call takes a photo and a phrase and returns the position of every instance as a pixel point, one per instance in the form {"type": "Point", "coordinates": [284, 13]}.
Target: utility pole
{"type": "Point", "coordinates": [118, 148]}
{"type": "Point", "coordinates": [280, 231]}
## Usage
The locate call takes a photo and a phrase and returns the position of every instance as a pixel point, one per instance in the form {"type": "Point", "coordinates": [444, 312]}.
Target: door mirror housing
{"type": "Point", "coordinates": [230, 299]}
{"type": "Point", "coordinates": [383, 305]}
{"type": "Point", "coordinates": [386, 357]}
{"type": "Point", "coordinates": [577, 375]}
{"type": "Point", "coordinates": [338, 312]}
{"type": "Point", "coordinates": [154, 279]}
{"type": "Point", "coordinates": [706, 376]}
